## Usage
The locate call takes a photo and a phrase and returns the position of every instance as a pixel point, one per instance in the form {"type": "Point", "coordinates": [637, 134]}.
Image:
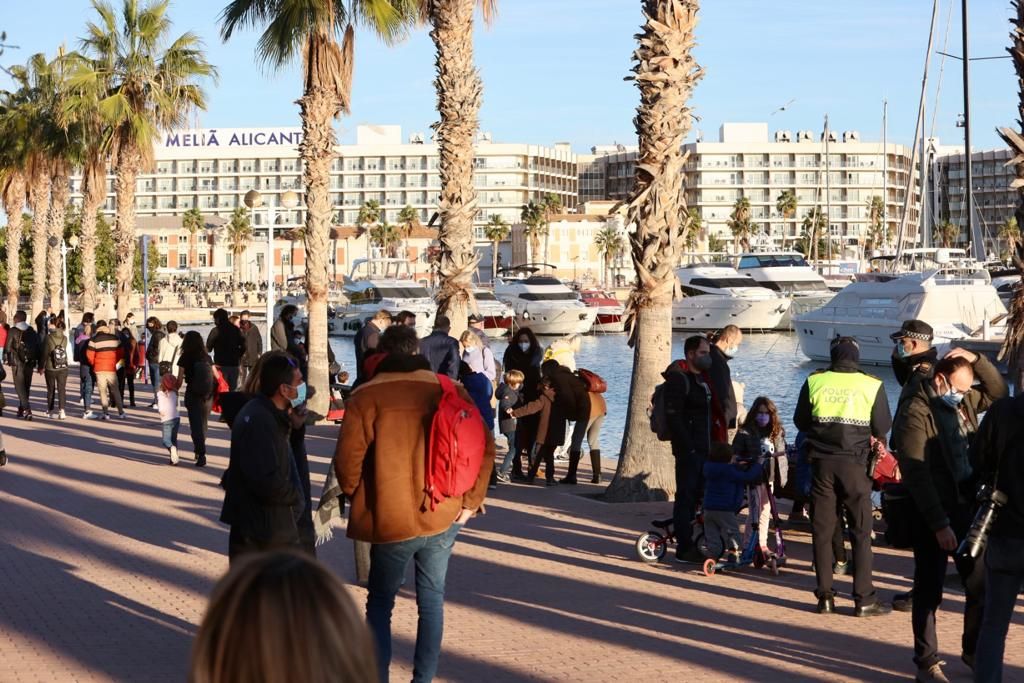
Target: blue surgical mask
{"type": "Point", "coordinates": [901, 351]}
{"type": "Point", "coordinates": [300, 396]}
{"type": "Point", "coordinates": [524, 346]}
{"type": "Point", "coordinates": [731, 351]}
{"type": "Point", "coordinates": [952, 397]}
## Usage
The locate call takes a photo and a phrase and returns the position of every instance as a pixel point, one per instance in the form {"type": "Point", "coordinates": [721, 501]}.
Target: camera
{"type": "Point", "coordinates": [990, 500]}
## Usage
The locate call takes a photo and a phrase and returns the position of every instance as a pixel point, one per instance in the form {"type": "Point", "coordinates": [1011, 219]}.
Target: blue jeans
{"type": "Point", "coordinates": [506, 464]}
{"type": "Point", "coordinates": [1004, 577]}
{"type": "Point", "coordinates": [85, 390]}
{"type": "Point", "coordinates": [154, 376]}
{"type": "Point", "coordinates": [388, 564]}
{"type": "Point", "coordinates": [170, 432]}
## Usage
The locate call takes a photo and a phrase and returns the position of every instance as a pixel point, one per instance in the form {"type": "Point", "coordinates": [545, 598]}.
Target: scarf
{"type": "Point", "coordinates": [331, 506]}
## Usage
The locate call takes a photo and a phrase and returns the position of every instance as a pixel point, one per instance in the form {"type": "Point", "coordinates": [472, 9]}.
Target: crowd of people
{"type": "Point", "coordinates": [540, 401]}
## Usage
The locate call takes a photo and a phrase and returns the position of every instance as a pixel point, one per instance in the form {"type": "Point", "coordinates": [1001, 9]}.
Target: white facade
{"type": "Point", "coordinates": [212, 169]}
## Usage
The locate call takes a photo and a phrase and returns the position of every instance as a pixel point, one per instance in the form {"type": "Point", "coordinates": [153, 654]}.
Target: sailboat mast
{"type": "Point", "coordinates": [885, 174]}
{"type": "Point", "coordinates": [828, 201]}
{"type": "Point", "coordinates": [977, 240]}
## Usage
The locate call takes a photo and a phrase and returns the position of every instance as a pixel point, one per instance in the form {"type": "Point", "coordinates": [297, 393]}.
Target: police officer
{"type": "Point", "coordinates": [839, 410]}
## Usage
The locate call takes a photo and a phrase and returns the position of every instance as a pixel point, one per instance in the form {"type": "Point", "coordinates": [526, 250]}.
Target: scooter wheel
{"type": "Point", "coordinates": [651, 547]}
{"type": "Point", "coordinates": [773, 567]}
{"type": "Point", "coordinates": [709, 567]}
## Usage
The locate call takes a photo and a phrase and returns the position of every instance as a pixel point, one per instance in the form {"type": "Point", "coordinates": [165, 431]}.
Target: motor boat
{"type": "Point", "coordinates": [789, 274]}
{"type": "Point", "coordinates": [611, 314]}
{"type": "Point", "coordinates": [545, 305]}
{"type": "Point", "coordinates": [498, 315]}
{"type": "Point", "coordinates": [383, 284]}
{"type": "Point", "coordinates": [960, 305]}
{"type": "Point", "coordinates": [716, 295]}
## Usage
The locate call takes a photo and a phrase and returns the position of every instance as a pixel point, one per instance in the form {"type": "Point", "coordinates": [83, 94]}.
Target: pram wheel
{"type": "Point", "coordinates": [710, 566]}
{"type": "Point", "coordinates": [773, 566]}
{"type": "Point", "coordinates": [651, 547]}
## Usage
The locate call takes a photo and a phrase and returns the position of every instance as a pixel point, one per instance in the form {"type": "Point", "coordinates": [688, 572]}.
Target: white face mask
{"type": "Point", "coordinates": [524, 346]}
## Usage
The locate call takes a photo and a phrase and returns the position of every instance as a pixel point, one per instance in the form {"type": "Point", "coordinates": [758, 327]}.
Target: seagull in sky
{"type": "Point", "coordinates": [782, 108]}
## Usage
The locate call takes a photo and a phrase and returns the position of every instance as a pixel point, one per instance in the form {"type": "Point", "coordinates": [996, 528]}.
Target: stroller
{"type": "Point", "coordinates": [651, 546]}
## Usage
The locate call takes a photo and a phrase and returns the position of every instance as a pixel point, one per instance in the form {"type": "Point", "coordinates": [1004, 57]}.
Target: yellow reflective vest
{"type": "Point", "coordinates": [844, 398]}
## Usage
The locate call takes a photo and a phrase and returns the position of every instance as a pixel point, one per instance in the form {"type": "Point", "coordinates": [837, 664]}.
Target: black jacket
{"type": "Point", "coordinates": [153, 345]}
{"type": "Point", "coordinates": [999, 444]}
{"type": "Point", "coordinates": [442, 352]}
{"type": "Point", "coordinates": [721, 381]}
{"type": "Point", "coordinates": [365, 343]}
{"type": "Point", "coordinates": [571, 396]}
{"type": "Point", "coordinates": [527, 363]}
{"type": "Point", "coordinates": [262, 489]}
{"type": "Point", "coordinates": [507, 398]}
{"type": "Point", "coordinates": [32, 342]}
{"type": "Point", "coordinates": [924, 362]}
{"type": "Point", "coordinates": [688, 408]}
{"type": "Point", "coordinates": [226, 344]}
{"type": "Point", "coordinates": [833, 439]}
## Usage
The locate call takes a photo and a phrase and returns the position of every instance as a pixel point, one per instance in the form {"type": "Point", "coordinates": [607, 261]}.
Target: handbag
{"type": "Point", "coordinates": [883, 468]}
{"type": "Point", "coordinates": [595, 383]}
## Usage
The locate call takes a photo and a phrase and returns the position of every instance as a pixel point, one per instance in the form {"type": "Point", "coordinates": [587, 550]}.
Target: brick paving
{"type": "Point", "coordinates": [108, 555]}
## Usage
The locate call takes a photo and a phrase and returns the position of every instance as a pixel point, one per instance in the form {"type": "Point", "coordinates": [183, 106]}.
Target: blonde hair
{"type": "Point", "coordinates": [469, 339]}
{"type": "Point", "coordinates": [514, 377]}
{"type": "Point", "coordinates": [382, 315]}
{"type": "Point", "coordinates": [281, 617]}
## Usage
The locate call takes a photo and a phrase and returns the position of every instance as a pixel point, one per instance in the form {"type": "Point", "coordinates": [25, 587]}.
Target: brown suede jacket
{"type": "Point", "coordinates": [381, 457]}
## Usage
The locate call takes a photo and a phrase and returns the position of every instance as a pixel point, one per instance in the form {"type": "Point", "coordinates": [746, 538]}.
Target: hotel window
{"type": "Point", "coordinates": [182, 261]}
{"type": "Point", "coordinates": [163, 260]}
{"type": "Point", "coordinates": [248, 165]}
{"type": "Point", "coordinates": [202, 259]}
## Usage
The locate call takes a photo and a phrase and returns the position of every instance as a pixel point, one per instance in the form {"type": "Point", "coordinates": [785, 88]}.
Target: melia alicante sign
{"type": "Point", "coordinates": [234, 137]}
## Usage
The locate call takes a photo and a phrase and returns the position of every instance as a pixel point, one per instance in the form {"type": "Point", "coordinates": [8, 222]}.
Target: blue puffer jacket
{"type": "Point", "coordinates": [724, 483]}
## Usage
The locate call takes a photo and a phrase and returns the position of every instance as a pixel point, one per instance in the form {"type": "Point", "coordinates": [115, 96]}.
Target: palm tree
{"type": "Point", "coordinates": [665, 73]}
{"type": "Point", "coordinates": [786, 205]}
{"type": "Point", "coordinates": [192, 221]}
{"type": "Point", "coordinates": [946, 233]}
{"type": "Point", "coordinates": [1009, 232]}
{"type": "Point", "coordinates": [13, 191]}
{"type": "Point", "coordinates": [876, 231]}
{"type": "Point", "coordinates": [309, 31]}
{"type": "Point", "coordinates": [716, 244]}
{"type": "Point", "coordinates": [739, 224]}
{"type": "Point", "coordinates": [610, 243]}
{"type": "Point", "coordinates": [550, 205]}
{"type": "Point", "coordinates": [369, 214]}
{"type": "Point", "coordinates": [459, 92]}
{"type": "Point", "coordinates": [408, 219]}
{"type": "Point", "coordinates": [496, 231]}
{"type": "Point", "coordinates": [150, 88]}
{"type": "Point", "coordinates": [384, 235]}
{"type": "Point", "coordinates": [532, 216]}
{"type": "Point", "coordinates": [814, 224]}
{"type": "Point", "coordinates": [238, 233]}
{"type": "Point", "coordinates": [693, 229]}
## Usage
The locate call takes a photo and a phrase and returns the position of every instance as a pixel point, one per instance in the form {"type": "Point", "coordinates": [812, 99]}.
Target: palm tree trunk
{"type": "Point", "coordinates": [14, 204]}
{"type": "Point", "coordinates": [236, 269]}
{"type": "Point", "coordinates": [39, 198]}
{"type": "Point", "coordinates": [94, 192]}
{"type": "Point", "coordinates": [665, 75]}
{"type": "Point", "coordinates": [494, 263]}
{"type": "Point", "coordinates": [59, 194]}
{"type": "Point", "coordinates": [124, 228]}
{"type": "Point", "coordinates": [317, 150]}
{"type": "Point", "coordinates": [459, 92]}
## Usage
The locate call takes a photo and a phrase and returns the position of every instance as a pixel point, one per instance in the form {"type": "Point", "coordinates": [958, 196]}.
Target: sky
{"type": "Point", "coordinates": [553, 69]}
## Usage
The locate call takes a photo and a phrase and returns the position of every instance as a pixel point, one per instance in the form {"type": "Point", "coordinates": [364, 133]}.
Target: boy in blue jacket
{"type": "Point", "coordinates": [724, 481]}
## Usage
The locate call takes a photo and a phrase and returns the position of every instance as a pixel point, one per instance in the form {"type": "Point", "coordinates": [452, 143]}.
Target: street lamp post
{"type": "Point", "coordinates": [254, 200]}
{"type": "Point", "coordinates": [64, 249]}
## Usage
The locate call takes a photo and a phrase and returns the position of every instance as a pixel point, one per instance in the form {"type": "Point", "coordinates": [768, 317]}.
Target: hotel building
{"type": "Point", "coordinates": [994, 200]}
{"type": "Point", "coordinates": [212, 169]}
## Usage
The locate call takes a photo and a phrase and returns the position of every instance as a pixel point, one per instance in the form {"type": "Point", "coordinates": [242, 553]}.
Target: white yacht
{"type": "Point", "coordinates": [960, 305]}
{"type": "Point", "coordinates": [611, 314]}
{"type": "Point", "coordinates": [789, 274]}
{"type": "Point", "coordinates": [545, 305]}
{"type": "Point", "coordinates": [716, 296]}
{"type": "Point", "coordinates": [383, 284]}
{"type": "Point", "coordinates": [498, 315]}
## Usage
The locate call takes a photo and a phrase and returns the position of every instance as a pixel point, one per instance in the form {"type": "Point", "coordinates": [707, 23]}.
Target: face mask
{"type": "Point", "coordinates": [952, 397]}
{"type": "Point", "coordinates": [901, 351]}
{"type": "Point", "coordinates": [524, 346]}
{"type": "Point", "coordinates": [762, 419]}
{"type": "Point", "coordinates": [702, 363]}
{"type": "Point", "coordinates": [731, 351]}
{"type": "Point", "coordinates": [300, 396]}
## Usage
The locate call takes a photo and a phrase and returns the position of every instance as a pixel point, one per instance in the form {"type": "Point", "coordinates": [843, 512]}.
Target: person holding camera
{"type": "Point", "coordinates": [998, 459]}
{"type": "Point", "coordinates": [931, 437]}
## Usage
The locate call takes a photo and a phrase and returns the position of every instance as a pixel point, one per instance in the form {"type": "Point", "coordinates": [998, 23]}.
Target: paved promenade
{"type": "Point", "coordinates": [107, 555]}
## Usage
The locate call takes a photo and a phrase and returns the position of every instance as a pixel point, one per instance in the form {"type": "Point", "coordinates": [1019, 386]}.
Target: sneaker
{"type": "Point", "coordinates": [691, 556]}
{"type": "Point", "coordinates": [152, 405]}
{"type": "Point", "coordinates": [62, 415]}
{"type": "Point", "coordinates": [933, 674]}
{"type": "Point", "coordinates": [89, 415]}
{"type": "Point", "coordinates": [122, 415]}
{"type": "Point", "coordinates": [173, 450]}
{"type": "Point", "coordinates": [3, 458]}
{"type": "Point", "coordinates": [550, 482]}
{"type": "Point", "coordinates": [105, 416]}
{"type": "Point", "coordinates": [504, 478]}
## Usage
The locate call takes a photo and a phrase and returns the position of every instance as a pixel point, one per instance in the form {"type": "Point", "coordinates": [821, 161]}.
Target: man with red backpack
{"type": "Point", "coordinates": [390, 467]}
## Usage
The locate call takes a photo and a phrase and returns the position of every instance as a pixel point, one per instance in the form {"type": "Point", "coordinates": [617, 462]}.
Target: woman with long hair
{"type": "Point", "coordinates": [195, 369]}
{"type": "Point", "coordinates": [762, 439]}
{"type": "Point", "coordinates": [525, 354]}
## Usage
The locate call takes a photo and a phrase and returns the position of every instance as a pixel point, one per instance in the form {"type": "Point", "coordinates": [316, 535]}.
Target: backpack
{"type": "Point", "coordinates": [595, 383]}
{"type": "Point", "coordinates": [455, 452]}
{"type": "Point", "coordinates": [659, 414]}
{"type": "Point", "coordinates": [202, 383]}
{"type": "Point", "coordinates": [59, 357]}
{"type": "Point", "coordinates": [27, 347]}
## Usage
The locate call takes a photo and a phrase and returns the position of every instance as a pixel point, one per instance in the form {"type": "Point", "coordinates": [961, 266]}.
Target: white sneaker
{"type": "Point", "coordinates": [174, 455]}
{"type": "Point", "coordinates": [62, 415]}
{"type": "Point", "coordinates": [89, 415]}
{"type": "Point", "coordinates": [122, 416]}
{"type": "Point", "coordinates": [104, 416]}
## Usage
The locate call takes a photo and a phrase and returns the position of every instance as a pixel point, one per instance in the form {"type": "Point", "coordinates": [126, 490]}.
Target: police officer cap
{"type": "Point", "coordinates": [914, 329]}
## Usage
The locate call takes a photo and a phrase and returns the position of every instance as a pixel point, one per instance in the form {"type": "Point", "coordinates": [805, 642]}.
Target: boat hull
{"type": "Point", "coordinates": [496, 327]}
{"type": "Point", "coordinates": [609, 322]}
{"type": "Point", "coordinates": [349, 321]}
{"type": "Point", "coordinates": [876, 347]}
{"type": "Point", "coordinates": [801, 305]}
{"type": "Point", "coordinates": [556, 321]}
{"type": "Point", "coordinates": [715, 312]}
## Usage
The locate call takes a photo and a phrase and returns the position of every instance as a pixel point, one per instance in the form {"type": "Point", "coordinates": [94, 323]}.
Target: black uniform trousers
{"type": "Point", "coordinates": [843, 480]}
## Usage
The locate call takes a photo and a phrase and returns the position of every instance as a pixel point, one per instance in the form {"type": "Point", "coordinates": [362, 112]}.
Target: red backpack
{"type": "Point", "coordinates": [455, 453]}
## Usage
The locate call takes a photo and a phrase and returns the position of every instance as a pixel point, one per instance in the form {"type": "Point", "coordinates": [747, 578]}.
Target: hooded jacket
{"type": "Point", "coordinates": [998, 450]}
{"type": "Point", "coordinates": [527, 362]}
{"type": "Point", "coordinates": [381, 456]}
{"type": "Point", "coordinates": [724, 483]}
{"type": "Point", "coordinates": [923, 453]}
{"type": "Point", "coordinates": [170, 349]}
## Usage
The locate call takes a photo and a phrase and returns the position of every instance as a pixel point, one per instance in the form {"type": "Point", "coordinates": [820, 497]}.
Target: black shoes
{"type": "Point", "coordinates": [690, 556]}
{"type": "Point", "coordinates": [903, 602]}
{"type": "Point", "coordinates": [875, 609]}
{"type": "Point", "coordinates": [551, 482]}
{"type": "Point", "coordinates": [3, 458]}
{"type": "Point", "coordinates": [201, 460]}
{"type": "Point", "coordinates": [567, 481]}
{"type": "Point", "coordinates": [826, 605]}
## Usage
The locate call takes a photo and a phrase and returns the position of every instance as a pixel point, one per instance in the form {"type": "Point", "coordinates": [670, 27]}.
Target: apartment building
{"type": "Point", "coordinates": [744, 162]}
{"type": "Point", "coordinates": [212, 169]}
{"type": "Point", "coordinates": [994, 200]}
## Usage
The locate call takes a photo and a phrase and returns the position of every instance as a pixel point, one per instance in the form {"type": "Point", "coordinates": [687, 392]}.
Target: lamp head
{"type": "Point", "coordinates": [73, 241]}
{"type": "Point", "coordinates": [253, 199]}
{"type": "Point", "coordinates": [289, 199]}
